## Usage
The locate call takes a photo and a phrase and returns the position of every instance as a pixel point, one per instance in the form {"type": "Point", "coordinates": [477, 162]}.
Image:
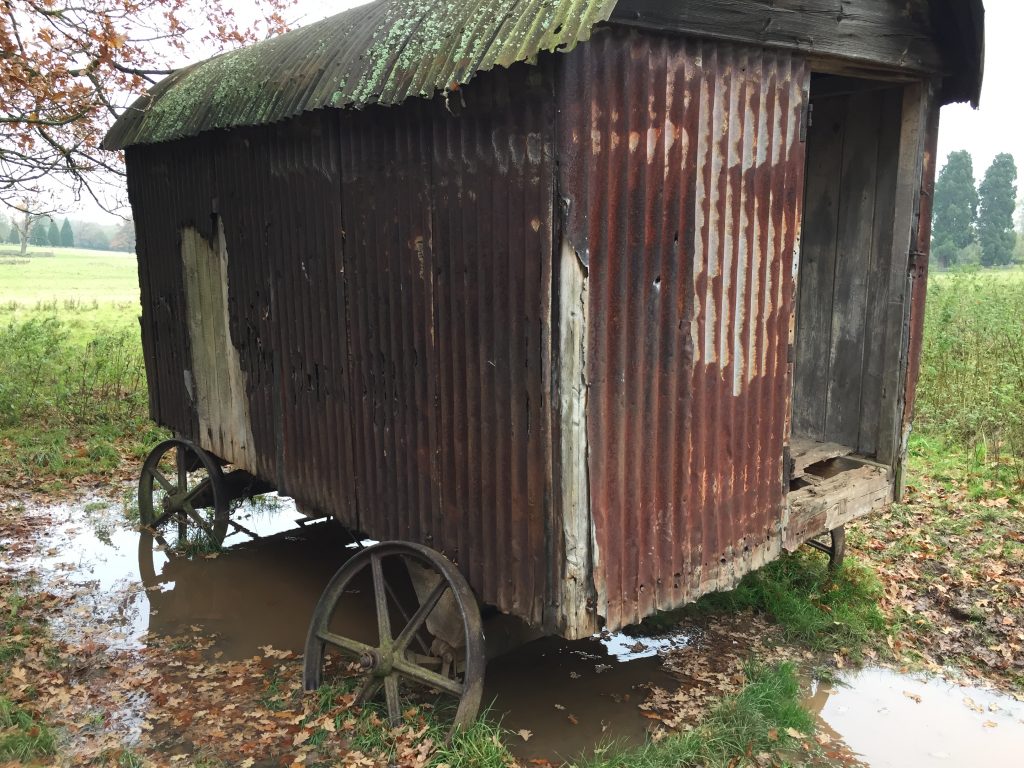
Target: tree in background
{"type": "Point", "coordinates": [39, 234]}
{"type": "Point", "coordinates": [53, 234]}
{"type": "Point", "coordinates": [955, 209]}
{"type": "Point", "coordinates": [998, 193]}
{"type": "Point", "coordinates": [14, 237]}
{"type": "Point", "coordinates": [70, 67]}
{"type": "Point", "coordinates": [67, 236]}
{"type": "Point", "coordinates": [92, 236]}
{"type": "Point", "coordinates": [123, 238]}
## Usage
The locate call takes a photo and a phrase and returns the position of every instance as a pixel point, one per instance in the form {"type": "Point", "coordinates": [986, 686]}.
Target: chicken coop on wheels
{"type": "Point", "coordinates": [581, 309]}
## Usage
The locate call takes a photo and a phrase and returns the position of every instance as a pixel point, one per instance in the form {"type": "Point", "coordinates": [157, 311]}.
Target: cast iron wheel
{"type": "Point", "coordinates": [457, 673]}
{"type": "Point", "coordinates": [835, 549]}
{"type": "Point", "coordinates": [182, 500]}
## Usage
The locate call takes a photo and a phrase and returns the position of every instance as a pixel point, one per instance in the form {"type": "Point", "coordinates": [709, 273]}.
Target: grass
{"type": "Point", "coordinates": [23, 736]}
{"type": "Point", "coordinates": [970, 400]}
{"type": "Point", "coordinates": [71, 403]}
{"type": "Point", "coordinates": [830, 612]}
{"type": "Point", "coordinates": [72, 275]}
{"type": "Point", "coordinates": [756, 720]}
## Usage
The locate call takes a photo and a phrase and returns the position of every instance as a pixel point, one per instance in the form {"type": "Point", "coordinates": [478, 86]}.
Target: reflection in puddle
{"type": "Point", "coordinates": [571, 696]}
{"type": "Point", "coordinates": [893, 720]}
{"type": "Point", "coordinates": [568, 696]}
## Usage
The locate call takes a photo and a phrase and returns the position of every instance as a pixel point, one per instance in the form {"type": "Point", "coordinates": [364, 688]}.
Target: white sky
{"type": "Point", "coordinates": [996, 126]}
{"type": "Point", "coordinates": [998, 123]}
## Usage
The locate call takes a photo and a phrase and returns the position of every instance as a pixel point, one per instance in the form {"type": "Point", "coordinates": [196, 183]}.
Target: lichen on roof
{"type": "Point", "coordinates": [380, 53]}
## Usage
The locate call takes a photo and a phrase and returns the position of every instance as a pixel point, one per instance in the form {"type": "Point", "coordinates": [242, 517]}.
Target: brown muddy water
{"type": "Point", "coordinates": [569, 697]}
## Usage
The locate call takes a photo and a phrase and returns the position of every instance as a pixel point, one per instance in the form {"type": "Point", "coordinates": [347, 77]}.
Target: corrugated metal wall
{"type": "Point", "coordinates": [389, 290]}
{"type": "Point", "coordinates": [448, 263]}
{"type": "Point", "coordinates": [276, 191]}
{"type": "Point", "coordinates": [682, 165]}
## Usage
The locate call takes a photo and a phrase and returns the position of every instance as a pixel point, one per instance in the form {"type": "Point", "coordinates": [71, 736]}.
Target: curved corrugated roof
{"type": "Point", "coordinates": [381, 53]}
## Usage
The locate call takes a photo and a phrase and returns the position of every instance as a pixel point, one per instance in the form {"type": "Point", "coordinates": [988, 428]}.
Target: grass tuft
{"type": "Point", "coordinates": [23, 736]}
{"type": "Point", "coordinates": [756, 720]}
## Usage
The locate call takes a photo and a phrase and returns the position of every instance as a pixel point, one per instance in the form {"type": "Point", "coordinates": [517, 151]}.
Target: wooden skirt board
{"type": "Point", "coordinates": [832, 492]}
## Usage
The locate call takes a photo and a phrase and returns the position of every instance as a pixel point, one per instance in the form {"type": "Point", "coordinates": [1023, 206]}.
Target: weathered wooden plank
{"type": "Point", "coordinates": [817, 267]}
{"type": "Point", "coordinates": [576, 619]}
{"type": "Point", "coordinates": [878, 272]}
{"type": "Point", "coordinates": [806, 453]}
{"type": "Point", "coordinates": [916, 101]}
{"type": "Point", "coordinates": [836, 501]}
{"type": "Point", "coordinates": [879, 32]}
{"type": "Point", "coordinates": [216, 377]}
{"type": "Point", "coordinates": [853, 256]}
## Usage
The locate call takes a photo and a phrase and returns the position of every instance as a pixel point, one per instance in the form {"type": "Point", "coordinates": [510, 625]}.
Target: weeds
{"type": "Point", "coordinates": [761, 718]}
{"type": "Point", "coordinates": [971, 392]}
{"type": "Point", "coordinates": [69, 405]}
{"type": "Point", "coordinates": [23, 736]}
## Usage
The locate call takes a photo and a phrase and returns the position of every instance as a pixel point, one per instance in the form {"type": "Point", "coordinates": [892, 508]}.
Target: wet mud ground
{"type": "Point", "coordinates": [243, 615]}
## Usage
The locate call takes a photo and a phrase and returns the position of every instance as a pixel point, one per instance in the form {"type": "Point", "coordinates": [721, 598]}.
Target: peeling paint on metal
{"type": "Point", "coordinates": [690, 286]}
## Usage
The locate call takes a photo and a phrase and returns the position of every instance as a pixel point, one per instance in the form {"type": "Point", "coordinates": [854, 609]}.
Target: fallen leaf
{"type": "Point", "coordinates": [912, 696]}
{"type": "Point", "coordinates": [524, 734]}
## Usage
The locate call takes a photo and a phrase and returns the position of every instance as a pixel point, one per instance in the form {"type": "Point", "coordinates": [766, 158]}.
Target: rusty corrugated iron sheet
{"type": "Point", "coordinates": [380, 53]}
{"type": "Point", "coordinates": [276, 192]}
{"type": "Point", "coordinates": [389, 295]}
{"type": "Point", "coordinates": [448, 264]}
{"type": "Point", "coordinates": [682, 168]}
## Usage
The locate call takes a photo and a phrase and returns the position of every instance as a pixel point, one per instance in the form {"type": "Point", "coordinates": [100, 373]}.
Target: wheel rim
{"type": "Point", "coordinates": [182, 502]}
{"type": "Point", "coordinates": [402, 660]}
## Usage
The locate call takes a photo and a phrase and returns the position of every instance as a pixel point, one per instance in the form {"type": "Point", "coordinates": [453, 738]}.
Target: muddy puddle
{"type": "Point", "coordinates": [893, 720]}
{"type": "Point", "coordinates": [565, 698]}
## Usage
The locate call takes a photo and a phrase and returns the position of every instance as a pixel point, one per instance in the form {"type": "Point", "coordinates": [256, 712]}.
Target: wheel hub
{"type": "Point", "coordinates": [384, 663]}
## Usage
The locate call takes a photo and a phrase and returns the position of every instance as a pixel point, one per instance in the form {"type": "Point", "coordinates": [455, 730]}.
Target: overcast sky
{"type": "Point", "coordinates": [996, 126]}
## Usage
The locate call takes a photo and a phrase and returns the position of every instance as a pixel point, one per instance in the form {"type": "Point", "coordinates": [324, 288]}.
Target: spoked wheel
{"type": "Point", "coordinates": [182, 500]}
{"type": "Point", "coordinates": [835, 549]}
{"type": "Point", "coordinates": [437, 650]}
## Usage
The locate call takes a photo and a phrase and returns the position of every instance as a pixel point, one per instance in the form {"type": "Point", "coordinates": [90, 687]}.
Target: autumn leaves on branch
{"type": "Point", "coordinates": [68, 68]}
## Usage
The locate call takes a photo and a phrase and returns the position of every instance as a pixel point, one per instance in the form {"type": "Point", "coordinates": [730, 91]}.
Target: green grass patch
{"type": "Point", "coordinates": [69, 274]}
{"type": "Point", "coordinates": [23, 736]}
{"type": "Point", "coordinates": [970, 397]}
{"type": "Point", "coordinates": [830, 612]}
{"type": "Point", "coordinates": [71, 404]}
{"type": "Point", "coordinates": [833, 612]}
{"type": "Point", "coordinates": [756, 720]}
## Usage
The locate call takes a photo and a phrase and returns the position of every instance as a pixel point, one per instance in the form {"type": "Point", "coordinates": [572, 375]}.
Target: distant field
{"type": "Point", "coordinates": [91, 291]}
{"type": "Point", "coordinates": [1008, 274]}
{"type": "Point", "coordinates": [69, 274]}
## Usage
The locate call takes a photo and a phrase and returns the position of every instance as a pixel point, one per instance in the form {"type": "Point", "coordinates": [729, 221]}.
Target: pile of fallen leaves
{"type": "Point", "coordinates": [951, 560]}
